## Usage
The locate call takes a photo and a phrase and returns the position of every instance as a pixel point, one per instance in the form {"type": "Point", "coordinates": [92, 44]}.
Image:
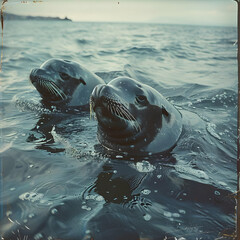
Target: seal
{"type": "Point", "coordinates": [63, 82]}
{"type": "Point", "coordinates": [134, 118]}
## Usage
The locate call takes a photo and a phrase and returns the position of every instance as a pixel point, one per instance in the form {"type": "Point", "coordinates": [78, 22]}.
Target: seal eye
{"type": "Point", "coordinates": [141, 99]}
{"type": "Point", "coordinates": [64, 76]}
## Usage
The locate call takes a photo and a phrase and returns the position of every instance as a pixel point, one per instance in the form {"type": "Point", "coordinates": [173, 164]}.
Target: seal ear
{"type": "Point", "coordinates": [82, 81]}
{"type": "Point", "coordinates": [166, 114]}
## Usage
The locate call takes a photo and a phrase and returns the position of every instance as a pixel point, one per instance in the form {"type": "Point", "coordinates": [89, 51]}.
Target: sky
{"type": "Point", "coordinates": [193, 12]}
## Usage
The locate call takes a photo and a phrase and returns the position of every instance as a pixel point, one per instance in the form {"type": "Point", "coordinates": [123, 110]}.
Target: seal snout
{"type": "Point", "coordinates": [97, 90]}
{"type": "Point", "coordinates": [45, 85]}
{"type": "Point", "coordinates": [35, 73]}
{"type": "Point", "coordinates": [102, 91]}
{"type": "Point", "coordinates": [101, 96]}
{"type": "Point", "coordinates": [111, 110]}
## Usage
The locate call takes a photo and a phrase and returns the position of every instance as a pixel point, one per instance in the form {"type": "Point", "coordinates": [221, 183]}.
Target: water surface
{"type": "Point", "coordinates": [56, 184]}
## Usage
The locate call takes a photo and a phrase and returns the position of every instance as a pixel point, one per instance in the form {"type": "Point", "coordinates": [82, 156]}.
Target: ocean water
{"type": "Point", "coordinates": [56, 184]}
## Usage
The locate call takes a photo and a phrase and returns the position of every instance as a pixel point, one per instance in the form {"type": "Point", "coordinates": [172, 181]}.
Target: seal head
{"type": "Point", "coordinates": [64, 82]}
{"type": "Point", "coordinates": [134, 118]}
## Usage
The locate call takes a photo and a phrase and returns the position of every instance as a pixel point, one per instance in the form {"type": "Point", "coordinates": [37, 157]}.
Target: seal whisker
{"type": "Point", "coordinates": [47, 84]}
{"type": "Point", "coordinates": [51, 89]}
{"type": "Point", "coordinates": [43, 84]}
{"type": "Point", "coordinates": [131, 118]}
{"type": "Point", "coordinates": [119, 109]}
{"type": "Point", "coordinates": [120, 113]}
{"type": "Point", "coordinates": [41, 81]}
{"type": "Point", "coordinates": [58, 90]}
{"type": "Point", "coordinates": [114, 110]}
{"type": "Point", "coordinates": [111, 109]}
{"type": "Point", "coordinates": [48, 87]}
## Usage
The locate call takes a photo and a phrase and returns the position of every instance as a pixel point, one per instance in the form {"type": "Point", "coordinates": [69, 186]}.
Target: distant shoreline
{"type": "Point", "coordinates": [10, 16]}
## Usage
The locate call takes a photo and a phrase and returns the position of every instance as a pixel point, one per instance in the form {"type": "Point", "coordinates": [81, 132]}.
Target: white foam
{"type": "Point", "coordinates": [211, 129]}
{"type": "Point", "coordinates": [144, 166]}
{"type": "Point", "coordinates": [190, 171]}
{"type": "Point", "coordinates": [31, 196]}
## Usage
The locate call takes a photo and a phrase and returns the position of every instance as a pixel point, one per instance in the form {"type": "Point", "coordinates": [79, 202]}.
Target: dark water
{"type": "Point", "coordinates": [56, 184]}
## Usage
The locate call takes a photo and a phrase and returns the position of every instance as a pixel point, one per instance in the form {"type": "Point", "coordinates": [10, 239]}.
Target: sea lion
{"type": "Point", "coordinates": [134, 118]}
{"type": "Point", "coordinates": [63, 82]}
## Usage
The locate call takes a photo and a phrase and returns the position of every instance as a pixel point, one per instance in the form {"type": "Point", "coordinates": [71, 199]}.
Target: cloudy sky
{"type": "Point", "coordinates": [200, 12]}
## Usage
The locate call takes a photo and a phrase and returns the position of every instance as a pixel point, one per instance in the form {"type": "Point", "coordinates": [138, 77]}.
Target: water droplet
{"type": "Point", "coordinates": [8, 213]}
{"type": "Point", "coordinates": [31, 215]}
{"type": "Point", "coordinates": [54, 211]}
{"type": "Point", "coordinates": [115, 171]}
{"type": "Point", "coordinates": [119, 156]}
{"type": "Point", "coordinates": [12, 189]}
{"type": "Point", "coordinates": [38, 236]}
{"type": "Point", "coordinates": [146, 192]}
{"type": "Point", "coordinates": [159, 176]}
{"type": "Point", "coordinates": [31, 196]}
{"type": "Point", "coordinates": [217, 193]}
{"type": "Point", "coordinates": [177, 215]}
{"type": "Point", "coordinates": [147, 217]}
{"type": "Point", "coordinates": [167, 214]}
{"type": "Point", "coordinates": [182, 211]}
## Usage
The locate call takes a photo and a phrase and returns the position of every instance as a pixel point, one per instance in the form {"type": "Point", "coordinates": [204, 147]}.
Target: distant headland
{"type": "Point", "coordinates": [10, 16]}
